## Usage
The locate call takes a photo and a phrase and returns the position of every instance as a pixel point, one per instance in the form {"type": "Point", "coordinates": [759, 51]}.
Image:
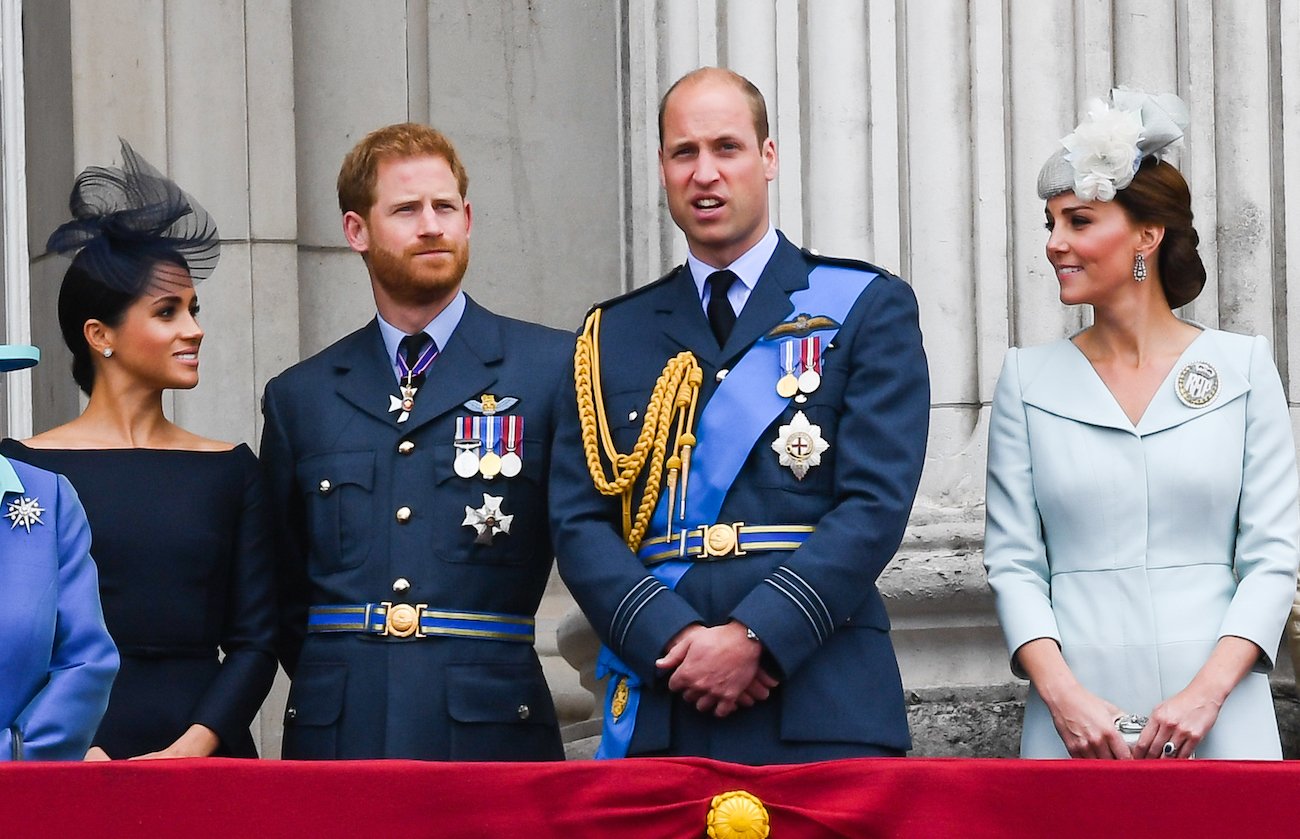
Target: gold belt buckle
{"type": "Point", "coordinates": [721, 540]}
{"type": "Point", "coordinates": [402, 620]}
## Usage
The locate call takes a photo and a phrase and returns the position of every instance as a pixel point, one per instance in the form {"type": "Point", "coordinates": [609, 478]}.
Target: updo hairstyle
{"type": "Point", "coordinates": [1159, 195]}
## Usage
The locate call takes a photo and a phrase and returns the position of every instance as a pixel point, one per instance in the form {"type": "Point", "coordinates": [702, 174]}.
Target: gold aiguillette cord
{"type": "Point", "coordinates": [672, 403]}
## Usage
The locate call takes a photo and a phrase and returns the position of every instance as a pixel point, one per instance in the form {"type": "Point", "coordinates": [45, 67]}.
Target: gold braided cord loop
{"type": "Point", "coordinates": [672, 402]}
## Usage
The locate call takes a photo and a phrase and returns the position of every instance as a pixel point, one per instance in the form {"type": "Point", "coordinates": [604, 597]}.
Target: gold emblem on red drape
{"type": "Point", "coordinates": [737, 815]}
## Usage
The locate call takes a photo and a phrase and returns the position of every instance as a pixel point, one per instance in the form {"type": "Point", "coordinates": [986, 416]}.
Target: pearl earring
{"type": "Point", "coordinates": [108, 352]}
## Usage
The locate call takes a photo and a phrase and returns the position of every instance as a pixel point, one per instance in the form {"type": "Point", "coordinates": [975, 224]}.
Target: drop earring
{"type": "Point", "coordinates": [1139, 267]}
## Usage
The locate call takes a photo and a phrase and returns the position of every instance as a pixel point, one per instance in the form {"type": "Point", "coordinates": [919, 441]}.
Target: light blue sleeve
{"type": "Point", "coordinates": [1015, 555]}
{"type": "Point", "coordinates": [1268, 518]}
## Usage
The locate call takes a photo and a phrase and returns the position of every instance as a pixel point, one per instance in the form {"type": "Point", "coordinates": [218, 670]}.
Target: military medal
{"type": "Point", "coordinates": [1197, 384]}
{"type": "Point", "coordinates": [467, 446]}
{"type": "Point", "coordinates": [512, 441]}
{"type": "Point", "coordinates": [788, 384]}
{"type": "Point", "coordinates": [405, 403]}
{"type": "Point", "coordinates": [487, 520]}
{"type": "Point", "coordinates": [24, 512]}
{"type": "Point", "coordinates": [799, 445]}
{"type": "Point", "coordinates": [489, 465]}
{"type": "Point", "coordinates": [810, 355]}
{"type": "Point", "coordinates": [489, 445]}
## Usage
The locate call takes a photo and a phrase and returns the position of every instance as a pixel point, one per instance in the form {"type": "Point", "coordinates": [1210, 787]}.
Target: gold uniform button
{"type": "Point", "coordinates": [403, 515]}
{"type": "Point", "coordinates": [524, 712]}
{"type": "Point", "coordinates": [401, 585]}
{"type": "Point", "coordinates": [325, 486]}
{"type": "Point", "coordinates": [405, 447]}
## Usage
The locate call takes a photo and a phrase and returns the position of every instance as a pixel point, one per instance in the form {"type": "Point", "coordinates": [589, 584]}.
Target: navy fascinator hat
{"type": "Point", "coordinates": [126, 220]}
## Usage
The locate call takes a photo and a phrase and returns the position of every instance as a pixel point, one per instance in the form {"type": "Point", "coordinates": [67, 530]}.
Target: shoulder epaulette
{"type": "Point", "coordinates": [628, 295]}
{"type": "Point", "coordinates": [861, 265]}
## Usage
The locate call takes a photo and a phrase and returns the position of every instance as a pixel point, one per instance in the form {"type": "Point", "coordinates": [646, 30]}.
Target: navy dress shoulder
{"type": "Point", "coordinates": [182, 542]}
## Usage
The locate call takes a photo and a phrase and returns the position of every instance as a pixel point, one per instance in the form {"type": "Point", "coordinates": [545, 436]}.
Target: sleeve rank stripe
{"type": "Point", "coordinates": [632, 604]}
{"type": "Point", "coordinates": [627, 599]}
{"type": "Point", "coordinates": [813, 595]}
{"type": "Point", "coordinates": [812, 623]}
{"type": "Point", "coordinates": [627, 626]}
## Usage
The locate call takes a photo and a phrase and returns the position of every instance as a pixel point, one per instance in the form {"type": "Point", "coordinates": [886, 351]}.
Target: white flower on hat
{"type": "Point", "coordinates": [1104, 151]}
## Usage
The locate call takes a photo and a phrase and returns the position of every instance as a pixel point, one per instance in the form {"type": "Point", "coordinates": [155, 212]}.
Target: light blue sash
{"type": "Point", "coordinates": [743, 406]}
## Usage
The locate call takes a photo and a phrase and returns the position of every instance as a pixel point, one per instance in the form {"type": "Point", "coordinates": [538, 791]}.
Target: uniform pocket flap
{"type": "Point", "coordinates": [317, 694]}
{"type": "Point", "coordinates": [498, 693]}
{"type": "Point", "coordinates": [322, 472]}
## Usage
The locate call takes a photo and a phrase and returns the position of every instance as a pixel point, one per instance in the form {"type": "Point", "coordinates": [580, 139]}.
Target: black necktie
{"type": "Point", "coordinates": [410, 348]}
{"type": "Point", "coordinates": [721, 316]}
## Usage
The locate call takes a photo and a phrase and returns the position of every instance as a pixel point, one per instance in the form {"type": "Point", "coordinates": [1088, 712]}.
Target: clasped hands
{"type": "Point", "coordinates": [716, 668]}
{"type": "Point", "coordinates": [1086, 724]}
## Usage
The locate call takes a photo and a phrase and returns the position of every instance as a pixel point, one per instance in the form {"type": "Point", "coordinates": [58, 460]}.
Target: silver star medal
{"type": "Point", "coordinates": [799, 445]}
{"type": "Point", "coordinates": [487, 520]}
{"type": "Point", "coordinates": [24, 513]}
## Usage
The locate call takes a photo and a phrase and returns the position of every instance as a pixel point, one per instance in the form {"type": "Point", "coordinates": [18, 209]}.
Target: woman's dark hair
{"type": "Point", "coordinates": [1159, 195]}
{"type": "Point", "coordinates": [83, 297]}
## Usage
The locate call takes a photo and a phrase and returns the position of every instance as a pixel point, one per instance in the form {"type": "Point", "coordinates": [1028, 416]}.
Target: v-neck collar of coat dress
{"type": "Point", "coordinates": [1068, 385]}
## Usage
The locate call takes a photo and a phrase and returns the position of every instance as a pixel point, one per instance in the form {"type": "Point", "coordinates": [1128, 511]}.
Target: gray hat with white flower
{"type": "Point", "coordinates": [1104, 151]}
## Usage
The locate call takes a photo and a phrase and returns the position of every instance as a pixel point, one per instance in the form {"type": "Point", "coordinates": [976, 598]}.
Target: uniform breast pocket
{"type": "Point", "coordinates": [625, 412]}
{"type": "Point", "coordinates": [338, 490]}
{"type": "Point", "coordinates": [493, 521]}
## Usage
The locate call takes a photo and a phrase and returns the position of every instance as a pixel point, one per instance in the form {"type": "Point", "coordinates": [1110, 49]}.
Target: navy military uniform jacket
{"type": "Point", "coordinates": [339, 466]}
{"type": "Point", "coordinates": [816, 609]}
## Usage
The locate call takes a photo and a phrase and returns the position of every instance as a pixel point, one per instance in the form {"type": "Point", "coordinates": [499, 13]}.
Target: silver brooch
{"type": "Point", "coordinates": [24, 512]}
{"type": "Point", "coordinates": [1198, 384]}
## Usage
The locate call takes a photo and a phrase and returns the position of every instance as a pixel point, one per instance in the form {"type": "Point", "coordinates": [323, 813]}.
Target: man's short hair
{"type": "Point", "coordinates": [757, 105]}
{"type": "Point", "coordinates": [360, 170]}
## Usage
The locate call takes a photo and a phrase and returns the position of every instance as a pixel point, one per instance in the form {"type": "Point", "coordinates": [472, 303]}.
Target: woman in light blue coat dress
{"type": "Point", "coordinates": [57, 661]}
{"type": "Point", "coordinates": [1142, 522]}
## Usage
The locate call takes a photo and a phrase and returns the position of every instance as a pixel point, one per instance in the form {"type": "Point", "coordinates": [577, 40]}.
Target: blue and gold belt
{"type": "Point", "coordinates": [712, 542]}
{"type": "Point", "coordinates": [406, 620]}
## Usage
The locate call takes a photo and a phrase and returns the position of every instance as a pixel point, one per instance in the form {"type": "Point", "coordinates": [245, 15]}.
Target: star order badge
{"type": "Point", "coordinates": [799, 445]}
{"type": "Point", "coordinates": [24, 512]}
{"type": "Point", "coordinates": [487, 520]}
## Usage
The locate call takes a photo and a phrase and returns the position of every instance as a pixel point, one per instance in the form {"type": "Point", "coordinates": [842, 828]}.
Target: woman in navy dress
{"type": "Point", "coordinates": [56, 659]}
{"type": "Point", "coordinates": [180, 531]}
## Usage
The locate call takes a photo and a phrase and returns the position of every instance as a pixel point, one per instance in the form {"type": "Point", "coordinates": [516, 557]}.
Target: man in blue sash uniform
{"type": "Point", "coordinates": [746, 626]}
{"type": "Point", "coordinates": [409, 465]}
